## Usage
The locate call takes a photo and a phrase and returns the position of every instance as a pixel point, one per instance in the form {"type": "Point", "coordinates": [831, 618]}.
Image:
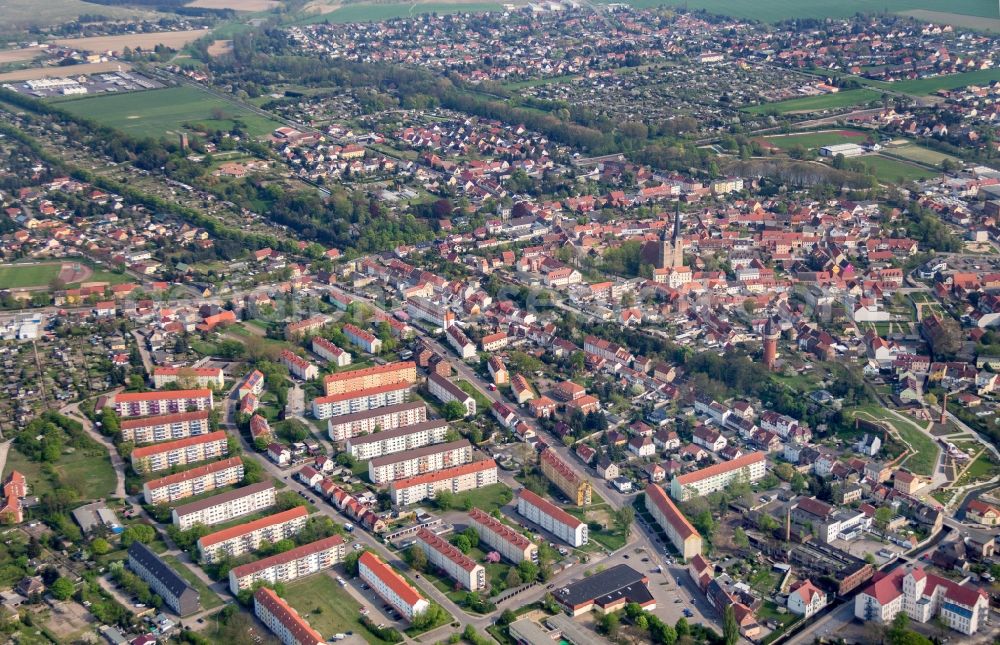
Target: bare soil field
{"type": "Point", "coordinates": [220, 48]}
{"type": "Point", "coordinates": [236, 5]}
{"type": "Point", "coordinates": [18, 14]}
{"type": "Point", "coordinates": [63, 72]}
{"type": "Point", "coordinates": [18, 55]}
{"type": "Point", "coordinates": [172, 39]}
{"type": "Point", "coordinates": [955, 19]}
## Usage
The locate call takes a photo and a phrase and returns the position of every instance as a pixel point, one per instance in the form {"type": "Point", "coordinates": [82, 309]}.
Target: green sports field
{"type": "Point", "coordinates": [927, 86]}
{"type": "Point", "coordinates": [892, 170]}
{"type": "Point", "coordinates": [156, 113]}
{"type": "Point", "coordinates": [13, 276]}
{"type": "Point", "coordinates": [778, 10]}
{"type": "Point", "coordinates": [849, 98]}
{"type": "Point", "coordinates": [812, 140]}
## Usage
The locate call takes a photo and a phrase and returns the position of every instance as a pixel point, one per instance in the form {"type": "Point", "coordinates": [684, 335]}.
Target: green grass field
{"type": "Point", "coordinates": [365, 12]}
{"type": "Point", "coordinates": [209, 599]}
{"type": "Point", "coordinates": [813, 140]}
{"type": "Point", "coordinates": [920, 154]}
{"type": "Point", "coordinates": [156, 113]}
{"type": "Point", "coordinates": [848, 98]}
{"type": "Point", "coordinates": [927, 86]}
{"type": "Point", "coordinates": [486, 498]}
{"type": "Point", "coordinates": [88, 473]}
{"type": "Point", "coordinates": [887, 169]}
{"type": "Point", "coordinates": [13, 276]}
{"type": "Point", "coordinates": [922, 461]}
{"type": "Point", "coordinates": [328, 607]}
{"type": "Point", "coordinates": [778, 10]}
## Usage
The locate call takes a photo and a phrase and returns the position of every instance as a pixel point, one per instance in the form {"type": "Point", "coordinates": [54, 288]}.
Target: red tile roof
{"type": "Point", "coordinates": [499, 529]}
{"type": "Point", "coordinates": [250, 527]}
{"type": "Point", "coordinates": [288, 556]}
{"type": "Point", "coordinates": [287, 616]}
{"type": "Point", "coordinates": [724, 467]}
{"type": "Point", "coordinates": [447, 550]}
{"type": "Point", "coordinates": [368, 371]}
{"type": "Point", "coordinates": [393, 580]}
{"type": "Point", "coordinates": [145, 451]}
{"type": "Point", "coordinates": [671, 512]}
{"type": "Point", "coordinates": [549, 509]}
{"type": "Point", "coordinates": [357, 394]}
{"type": "Point", "coordinates": [161, 396]}
{"type": "Point", "coordinates": [142, 422]}
{"type": "Point", "coordinates": [200, 471]}
{"type": "Point", "coordinates": [444, 473]}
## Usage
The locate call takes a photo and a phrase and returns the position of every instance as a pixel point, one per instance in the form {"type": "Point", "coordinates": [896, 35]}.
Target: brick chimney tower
{"type": "Point", "coordinates": [771, 334]}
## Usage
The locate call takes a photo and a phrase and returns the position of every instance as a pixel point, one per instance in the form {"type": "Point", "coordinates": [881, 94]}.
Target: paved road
{"type": "Point", "coordinates": [147, 360]}
{"type": "Point", "coordinates": [4, 447]}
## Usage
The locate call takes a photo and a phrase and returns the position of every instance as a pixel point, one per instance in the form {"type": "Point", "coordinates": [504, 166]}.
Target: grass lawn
{"type": "Point", "coordinates": [887, 169]}
{"type": "Point", "coordinates": [328, 607]}
{"type": "Point", "coordinates": [89, 473]}
{"type": "Point", "coordinates": [155, 113]}
{"type": "Point", "coordinates": [209, 599]}
{"type": "Point", "coordinates": [813, 140]}
{"type": "Point", "coordinates": [15, 276]}
{"type": "Point", "coordinates": [981, 469]}
{"type": "Point", "coordinates": [486, 498]}
{"type": "Point", "coordinates": [927, 86]}
{"type": "Point", "coordinates": [482, 402]}
{"type": "Point", "coordinates": [848, 98]}
{"type": "Point", "coordinates": [920, 154]}
{"type": "Point", "coordinates": [778, 10]}
{"type": "Point", "coordinates": [922, 461]}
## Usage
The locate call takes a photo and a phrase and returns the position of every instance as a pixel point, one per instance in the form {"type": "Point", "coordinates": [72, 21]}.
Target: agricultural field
{"type": "Point", "coordinates": [156, 113]}
{"type": "Point", "coordinates": [888, 169]}
{"type": "Point", "coordinates": [814, 140]}
{"type": "Point", "coordinates": [849, 98]}
{"type": "Point", "coordinates": [235, 5]}
{"type": "Point", "coordinates": [172, 39]}
{"type": "Point", "coordinates": [364, 12]}
{"type": "Point", "coordinates": [978, 23]}
{"type": "Point", "coordinates": [22, 14]}
{"type": "Point", "coordinates": [778, 10]}
{"type": "Point", "coordinates": [927, 86]}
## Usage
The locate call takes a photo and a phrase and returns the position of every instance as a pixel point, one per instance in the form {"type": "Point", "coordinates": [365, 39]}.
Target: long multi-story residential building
{"type": "Point", "coordinates": [420, 308]}
{"type": "Point", "coordinates": [576, 488]}
{"type": "Point", "coordinates": [383, 470]}
{"type": "Point", "coordinates": [160, 456]}
{"type": "Point", "coordinates": [456, 479]}
{"type": "Point", "coordinates": [177, 594]}
{"type": "Point", "coordinates": [335, 405]}
{"type": "Point", "coordinates": [191, 376]}
{"type": "Point", "coordinates": [400, 439]}
{"type": "Point", "coordinates": [923, 596]}
{"type": "Point", "coordinates": [298, 366]}
{"type": "Point", "coordinates": [237, 540]}
{"type": "Point", "coordinates": [291, 565]}
{"type": "Point", "coordinates": [390, 586]}
{"type": "Point", "coordinates": [369, 377]}
{"type": "Point", "coordinates": [195, 481]}
{"type": "Point", "coordinates": [447, 391]}
{"type": "Point", "coordinates": [459, 567]}
{"type": "Point", "coordinates": [552, 518]}
{"type": "Point", "coordinates": [749, 468]}
{"type": "Point", "coordinates": [225, 506]}
{"type": "Point", "coordinates": [390, 417]}
{"type": "Point", "coordinates": [308, 326]}
{"type": "Point", "coordinates": [501, 538]}
{"type": "Point", "coordinates": [363, 339]}
{"type": "Point", "coordinates": [144, 404]}
{"type": "Point", "coordinates": [679, 530]}
{"type": "Point", "coordinates": [327, 350]}
{"type": "Point", "coordinates": [165, 427]}
{"type": "Point", "coordinates": [283, 621]}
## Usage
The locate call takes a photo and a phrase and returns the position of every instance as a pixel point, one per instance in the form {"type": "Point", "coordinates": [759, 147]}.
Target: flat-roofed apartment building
{"type": "Point", "coordinates": [510, 544]}
{"type": "Point", "coordinates": [195, 481]}
{"type": "Point", "coordinates": [237, 540]}
{"type": "Point", "coordinates": [163, 580]}
{"type": "Point", "coordinates": [144, 404]}
{"type": "Point", "coordinates": [383, 470]}
{"type": "Point", "coordinates": [682, 534]}
{"type": "Point", "coordinates": [283, 621]}
{"type": "Point", "coordinates": [161, 456]}
{"type": "Point", "coordinates": [461, 568]}
{"type": "Point", "coordinates": [360, 423]}
{"type": "Point", "coordinates": [165, 427]}
{"type": "Point", "coordinates": [291, 565]}
{"type": "Point", "coordinates": [750, 468]}
{"type": "Point", "coordinates": [369, 377]}
{"type": "Point", "coordinates": [576, 488]}
{"type": "Point", "coordinates": [191, 376]}
{"type": "Point", "coordinates": [225, 506]}
{"type": "Point", "coordinates": [400, 439]}
{"type": "Point", "coordinates": [390, 586]}
{"type": "Point", "coordinates": [552, 518]}
{"type": "Point", "coordinates": [335, 405]}
{"type": "Point", "coordinates": [456, 479]}
{"type": "Point", "coordinates": [447, 391]}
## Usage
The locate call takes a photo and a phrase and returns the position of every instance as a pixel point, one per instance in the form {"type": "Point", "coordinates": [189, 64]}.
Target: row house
{"type": "Point", "coordinates": [468, 573]}
{"type": "Point", "coordinates": [298, 366]}
{"type": "Point", "coordinates": [283, 621]}
{"type": "Point", "coordinates": [363, 339]}
{"type": "Point", "coordinates": [552, 518]}
{"type": "Point", "coordinates": [245, 538]}
{"type": "Point", "coordinates": [190, 376]}
{"type": "Point", "coordinates": [560, 473]}
{"type": "Point", "coordinates": [749, 468]}
{"type": "Point", "coordinates": [506, 541]}
{"type": "Point", "coordinates": [391, 587]}
{"type": "Point", "coordinates": [330, 352]}
{"type": "Point", "coordinates": [141, 404]}
{"type": "Point", "coordinates": [446, 391]}
{"type": "Point", "coordinates": [464, 347]}
{"type": "Point", "coordinates": [370, 377]}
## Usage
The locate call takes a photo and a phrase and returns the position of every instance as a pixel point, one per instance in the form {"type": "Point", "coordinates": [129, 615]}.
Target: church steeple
{"type": "Point", "coordinates": [678, 245]}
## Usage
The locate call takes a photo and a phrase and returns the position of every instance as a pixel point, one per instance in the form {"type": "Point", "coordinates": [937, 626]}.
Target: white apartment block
{"type": "Point", "coordinates": [298, 366]}
{"type": "Point", "coordinates": [161, 456]}
{"type": "Point", "coordinates": [291, 565]}
{"type": "Point", "coordinates": [192, 376]}
{"type": "Point", "coordinates": [456, 479]}
{"type": "Point", "coordinates": [460, 342]}
{"type": "Point", "coordinates": [390, 586]}
{"type": "Point", "coordinates": [335, 405]}
{"type": "Point", "coordinates": [346, 426]}
{"type": "Point", "coordinates": [510, 544]}
{"type": "Point", "coordinates": [383, 470]}
{"type": "Point", "coordinates": [283, 621]}
{"type": "Point", "coordinates": [330, 352]}
{"type": "Point", "coordinates": [459, 567]}
{"type": "Point", "coordinates": [363, 339]}
{"type": "Point", "coordinates": [420, 308]}
{"type": "Point", "coordinates": [401, 439]}
{"type": "Point", "coordinates": [144, 404]}
{"type": "Point", "coordinates": [447, 391]}
{"type": "Point", "coordinates": [225, 506]}
{"type": "Point", "coordinates": [237, 540]}
{"type": "Point", "coordinates": [750, 468]}
{"type": "Point", "coordinates": [166, 427]}
{"type": "Point", "coordinates": [195, 481]}
{"type": "Point", "coordinates": [552, 518]}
